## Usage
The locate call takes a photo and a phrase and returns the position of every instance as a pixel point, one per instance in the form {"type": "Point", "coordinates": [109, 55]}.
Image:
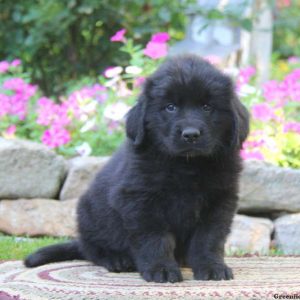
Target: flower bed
{"type": "Point", "coordinates": [89, 118]}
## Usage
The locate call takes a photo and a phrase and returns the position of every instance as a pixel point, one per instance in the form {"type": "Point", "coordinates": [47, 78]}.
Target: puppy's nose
{"type": "Point", "coordinates": [191, 134]}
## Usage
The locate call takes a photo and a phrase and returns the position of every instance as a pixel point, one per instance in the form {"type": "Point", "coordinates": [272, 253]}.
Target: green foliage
{"type": "Point", "coordinates": [232, 12]}
{"type": "Point", "coordinates": [62, 40]}
{"type": "Point", "coordinates": [286, 40]}
{"type": "Point", "coordinates": [12, 247]}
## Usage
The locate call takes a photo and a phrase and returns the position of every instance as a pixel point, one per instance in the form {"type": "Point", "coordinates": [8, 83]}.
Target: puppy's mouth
{"type": "Point", "coordinates": [195, 152]}
{"type": "Point", "coordinates": [179, 148]}
{"type": "Point", "coordinates": [196, 149]}
{"type": "Point", "coordinates": [190, 153]}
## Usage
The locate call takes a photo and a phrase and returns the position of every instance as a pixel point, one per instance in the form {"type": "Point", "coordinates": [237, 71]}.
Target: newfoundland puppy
{"type": "Point", "coordinates": [167, 197]}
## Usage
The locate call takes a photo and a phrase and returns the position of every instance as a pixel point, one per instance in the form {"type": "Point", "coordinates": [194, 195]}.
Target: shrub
{"type": "Point", "coordinates": [286, 28]}
{"type": "Point", "coordinates": [63, 40]}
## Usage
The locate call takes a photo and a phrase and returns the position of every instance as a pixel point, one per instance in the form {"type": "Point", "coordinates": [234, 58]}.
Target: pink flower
{"type": "Point", "coordinates": [95, 92]}
{"type": "Point", "coordinates": [11, 130]}
{"type": "Point", "coordinates": [123, 90]}
{"type": "Point", "coordinates": [244, 76]}
{"type": "Point", "coordinates": [293, 76]}
{"type": "Point", "coordinates": [16, 62]}
{"type": "Point", "coordinates": [157, 46]}
{"type": "Point", "coordinates": [292, 126]}
{"type": "Point", "coordinates": [247, 72]}
{"type": "Point", "coordinates": [4, 105]}
{"type": "Point", "coordinates": [9, 133]}
{"type": "Point", "coordinates": [253, 144]}
{"type": "Point", "coordinates": [16, 103]}
{"type": "Point", "coordinates": [83, 102]}
{"type": "Point", "coordinates": [156, 50]}
{"type": "Point", "coordinates": [119, 36]}
{"type": "Point", "coordinates": [160, 37]}
{"type": "Point", "coordinates": [262, 112]}
{"type": "Point", "coordinates": [18, 106]}
{"type": "Point", "coordinates": [252, 155]}
{"type": "Point", "coordinates": [272, 90]}
{"type": "Point", "coordinates": [139, 81]}
{"type": "Point", "coordinates": [15, 84]}
{"type": "Point", "coordinates": [50, 113]}
{"type": "Point", "coordinates": [56, 136]}
{"type": "Point", "coordinates": [4, 66]}
{"type": "Point", "coordinates": [20, 86]}
{"type": "Point", "coordinates": [252, 147]}
{"type": "Point", "coordinates": [293, 60]}
{"type": "Point", "coordinates": [281, 92]}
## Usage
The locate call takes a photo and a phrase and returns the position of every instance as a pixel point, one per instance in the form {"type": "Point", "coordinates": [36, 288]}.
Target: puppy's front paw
{"type": "Point", "coordinates": [117, 263]}
{"type": "Point", "coordinates": [161, 272]}
{"type": "Point", "coordinates": [213, 272]}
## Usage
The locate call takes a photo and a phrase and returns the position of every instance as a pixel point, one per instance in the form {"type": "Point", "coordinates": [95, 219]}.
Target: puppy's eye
{"type": "Point", "coordinates": [171, 107]}
{"type": "Point", "coordinates": [206, 107]}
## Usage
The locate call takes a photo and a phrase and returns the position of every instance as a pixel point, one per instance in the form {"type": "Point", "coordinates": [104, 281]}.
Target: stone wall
{"type": "Point", "coordinates": [39, 191]}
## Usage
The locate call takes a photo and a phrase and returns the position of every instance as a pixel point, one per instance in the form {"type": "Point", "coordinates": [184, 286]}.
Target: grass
{"type": "Point", "coordinates": [14, 248]}
{"type": "Point", "coordinates": [272, 252]}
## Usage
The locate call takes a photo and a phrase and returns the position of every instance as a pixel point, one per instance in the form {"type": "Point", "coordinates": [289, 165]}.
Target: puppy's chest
{"type": "Point", "coordinates": [183, 205]}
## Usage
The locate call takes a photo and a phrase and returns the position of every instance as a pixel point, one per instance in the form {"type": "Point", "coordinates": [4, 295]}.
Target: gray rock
{"type": "Point", "coordinates": [81, 172]}
{"type": "Point", "coordinates": [267, 188]}
{"type": "Point", "coordinates": [287, 234]}
{"type": "Point", "coordinates": [29, 170]}
{"type": "Point", "coordinates": [250, 235]}
{"type": "Point", "coordinates": [36, 217]}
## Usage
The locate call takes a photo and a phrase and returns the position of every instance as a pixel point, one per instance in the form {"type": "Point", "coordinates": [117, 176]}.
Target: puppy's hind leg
{"type": "Point", "coordinates": [111, 260]}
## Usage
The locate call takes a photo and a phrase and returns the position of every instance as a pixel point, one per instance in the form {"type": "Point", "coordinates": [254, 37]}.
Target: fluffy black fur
{"type": "Point", "coordinates": [168, 195]}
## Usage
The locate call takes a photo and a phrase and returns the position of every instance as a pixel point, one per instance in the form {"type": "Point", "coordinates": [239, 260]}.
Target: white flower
{"type": "Point", "coordinates": [133, 70]}
{"type": "Point", "coordinates": [116, 112]}
{"type": "Point", "coordinates": [112, 72]}
{"type": "Point", "coordinates": [83, 117]}
{"type": "Point", "coordinates": [90, 124]}
{"type": "Point", "coordinates": [247, 89]}
{"type": "Point", "coordinates": [89, 107]}
{"type": "Point", "coordinates": [84, 149]}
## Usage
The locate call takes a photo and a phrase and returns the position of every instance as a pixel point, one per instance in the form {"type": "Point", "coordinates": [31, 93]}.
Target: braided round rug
{"type": "Point", "coordinates": [255, 278]}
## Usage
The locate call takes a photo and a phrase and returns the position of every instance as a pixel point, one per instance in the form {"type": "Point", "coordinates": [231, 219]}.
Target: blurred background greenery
{"type": "Point", "coordinates": [60, 41]}
{"type": "Point", "coordinates": [286, 41]}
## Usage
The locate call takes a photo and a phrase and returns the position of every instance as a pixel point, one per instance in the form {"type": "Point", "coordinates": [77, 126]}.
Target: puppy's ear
{"type": "Point", "coordinates": [135, 122]}
{"type": "Point", "coordinates": [240, 126]}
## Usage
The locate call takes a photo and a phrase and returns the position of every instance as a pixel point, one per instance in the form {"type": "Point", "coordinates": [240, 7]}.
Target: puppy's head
{"type": "Point", "coordinates": [188, 107]}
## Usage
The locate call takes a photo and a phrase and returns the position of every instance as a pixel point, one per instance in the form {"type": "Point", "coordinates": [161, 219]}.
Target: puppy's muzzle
{"type": "Point", "coordinates": [191, 135]}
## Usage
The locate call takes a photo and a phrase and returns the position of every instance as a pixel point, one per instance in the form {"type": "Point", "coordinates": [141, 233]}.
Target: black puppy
{"type": "Point", "coordinates": [168, 195]}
